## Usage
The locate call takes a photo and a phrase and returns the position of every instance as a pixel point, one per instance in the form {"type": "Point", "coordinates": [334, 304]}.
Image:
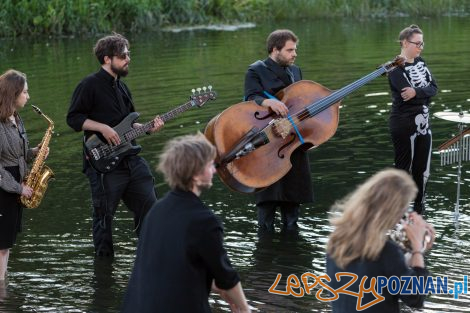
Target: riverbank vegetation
{"type": "Point", "coordinates": [84, 17]}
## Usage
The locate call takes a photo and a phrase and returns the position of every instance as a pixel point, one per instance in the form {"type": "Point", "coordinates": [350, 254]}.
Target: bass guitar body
{"type": "Point", "coordinates": [104, 157]}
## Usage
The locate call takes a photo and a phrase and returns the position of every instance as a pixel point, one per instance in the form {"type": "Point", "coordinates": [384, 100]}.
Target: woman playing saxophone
{"type": "Point", "coordinates": [14, 153]}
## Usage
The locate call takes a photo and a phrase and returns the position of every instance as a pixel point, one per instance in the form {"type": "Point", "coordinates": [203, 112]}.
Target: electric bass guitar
{"type": "Point", "coordinates": [104, 157]}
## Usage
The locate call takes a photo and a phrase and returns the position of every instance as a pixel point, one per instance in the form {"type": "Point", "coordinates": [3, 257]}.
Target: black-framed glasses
{"type": "Point", "coordinates": [418, 44]}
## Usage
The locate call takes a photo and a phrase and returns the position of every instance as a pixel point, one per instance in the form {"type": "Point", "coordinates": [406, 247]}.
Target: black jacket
{"type": "Point", "coordinates": [180, 252]}
{"type": "Point", "coordinates": [296, 185]}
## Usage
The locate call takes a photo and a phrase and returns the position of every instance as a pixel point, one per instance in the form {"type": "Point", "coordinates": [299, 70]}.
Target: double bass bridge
{"type": "Point", "coordinates": [281, 127]}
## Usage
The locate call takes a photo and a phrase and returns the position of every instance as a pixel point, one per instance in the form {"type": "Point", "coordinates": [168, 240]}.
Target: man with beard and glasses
{"type": "Point", "coordinates": [99, 103]}
{"type": "Point", "coordinates": [180, 255]}
{"type": "Point", "coordinates": [262, 81]}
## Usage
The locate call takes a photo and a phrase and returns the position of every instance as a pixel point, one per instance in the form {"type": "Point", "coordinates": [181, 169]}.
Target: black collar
{"type": "Point", "coordinates": [106, 76]}
{"type": "Point", "coordinates": [278, 70]}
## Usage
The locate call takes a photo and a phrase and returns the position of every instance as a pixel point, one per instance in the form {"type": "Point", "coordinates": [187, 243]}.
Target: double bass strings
{"type": "Point", "coordinates": [319, 106]}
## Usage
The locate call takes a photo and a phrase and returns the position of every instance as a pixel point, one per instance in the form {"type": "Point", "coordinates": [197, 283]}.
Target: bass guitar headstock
{"type": "Point", "coordinates": [399, 61]}
{"type": "Point", "coordinates": [201, 95]}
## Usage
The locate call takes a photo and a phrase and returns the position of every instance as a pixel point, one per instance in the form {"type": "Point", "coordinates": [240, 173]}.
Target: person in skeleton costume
{"type": "Point", "coordinates": [412, 87]}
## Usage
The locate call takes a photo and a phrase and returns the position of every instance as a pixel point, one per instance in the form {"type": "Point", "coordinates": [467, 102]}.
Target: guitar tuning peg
{"type": "Point", "coordinates": [209, 87]}
{"type": "Point", "coordinates": [204, 88]}
{"type": "Point", "coordinates": [198, 90]}
{"type": "Point", "coordinates": [193, 90]}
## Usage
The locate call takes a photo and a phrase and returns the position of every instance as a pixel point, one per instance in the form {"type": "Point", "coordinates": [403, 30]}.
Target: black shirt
{"type": "Point", "coordinates": [418, 76]}
{"type": "Point", "coordinates": [268, 76]}
{"type": "Point", "coordinates": [180, 252]}
{"type": "Point", "coordinates": [101, 98]}
{"type": "Point", "coordinates": [96, 98]}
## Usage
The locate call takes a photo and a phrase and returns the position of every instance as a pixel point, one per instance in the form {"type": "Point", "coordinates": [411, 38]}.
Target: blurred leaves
{"type": "Point", "coordinates": [84, 17]}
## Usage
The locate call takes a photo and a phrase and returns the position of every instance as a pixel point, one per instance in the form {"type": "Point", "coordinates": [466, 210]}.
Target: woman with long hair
{"type": "Point", "coordinates": [14, 153]}
{"type": "Point", "coordinates": [359, 243]}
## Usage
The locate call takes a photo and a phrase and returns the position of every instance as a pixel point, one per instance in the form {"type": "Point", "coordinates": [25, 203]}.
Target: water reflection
{"type": "Point", "coordinates": [267, 265]}
{"type": "Point", "coordinates": [52, 268]}
{"type": "Point", "coordinates": [102, 285]}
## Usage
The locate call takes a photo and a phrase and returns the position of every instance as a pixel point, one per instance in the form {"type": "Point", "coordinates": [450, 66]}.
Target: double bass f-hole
{"type": "Point", "coordinates": [260, 118]}
{"type": "Point", "coordinates": [279, 152]}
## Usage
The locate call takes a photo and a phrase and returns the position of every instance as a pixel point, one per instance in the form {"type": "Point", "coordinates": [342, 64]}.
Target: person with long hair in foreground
{"type": "Point", "coordinates": [359, 243]}
{"type": "Point", "coordinates": [180, 254]}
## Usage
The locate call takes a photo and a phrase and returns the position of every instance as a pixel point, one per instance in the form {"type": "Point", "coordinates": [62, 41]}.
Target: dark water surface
{"type": "Point", "coordinates": [52, 267]}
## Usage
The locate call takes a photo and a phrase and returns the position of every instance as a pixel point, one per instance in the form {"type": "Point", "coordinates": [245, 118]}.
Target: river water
{"type": "Point", "coordinates": [52, 267]}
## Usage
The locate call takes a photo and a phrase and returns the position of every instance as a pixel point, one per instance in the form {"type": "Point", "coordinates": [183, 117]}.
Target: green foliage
{"type": "Point", "coordinates": [65, 17]}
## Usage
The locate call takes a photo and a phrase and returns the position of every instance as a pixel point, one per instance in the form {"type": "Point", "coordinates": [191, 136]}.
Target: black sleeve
{"type": "Point", "coordinates": [253, 87]}
{"type": "Point", "coordinates": [80, 106]}
{"type": "Point", "coordinates": [395, 265]}
{"type": "Point", "coordinates": [398, 81]}
{"type": "Point", "coordinates": [215, 257]}
{"type": "Point", "coordinates": [428, 91]}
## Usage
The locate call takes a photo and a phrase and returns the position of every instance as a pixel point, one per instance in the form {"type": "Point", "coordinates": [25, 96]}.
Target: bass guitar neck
{"type": "Point", "coordinates": [105, 157]}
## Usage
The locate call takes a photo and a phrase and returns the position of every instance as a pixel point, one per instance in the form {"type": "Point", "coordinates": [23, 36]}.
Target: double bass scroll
{"type": "Point", "coordinates": [254, 144]}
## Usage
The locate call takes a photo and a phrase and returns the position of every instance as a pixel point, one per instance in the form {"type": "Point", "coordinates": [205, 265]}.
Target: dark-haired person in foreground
{"type": "Point", "coordinates": [180, 254]}
{"type": "Point", "coordinates": [99, 103]}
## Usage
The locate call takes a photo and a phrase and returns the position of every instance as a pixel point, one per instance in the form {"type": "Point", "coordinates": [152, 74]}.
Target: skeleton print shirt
{"type": "Point", "coordinates": [418, 76]}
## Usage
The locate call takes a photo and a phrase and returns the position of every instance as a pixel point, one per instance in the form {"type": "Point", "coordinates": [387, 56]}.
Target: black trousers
{"type": "Point", "coordinates": [289, 214]}
{"type": "Point", "coordinates": [413, 154]}
{"type": "Point", "coordinates": [131, 182]}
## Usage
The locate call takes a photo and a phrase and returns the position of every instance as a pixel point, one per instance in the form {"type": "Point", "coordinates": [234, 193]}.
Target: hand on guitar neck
{"type": "Point", "coordinates": [117, 142]}
{"type": "Point", "coordinates": [157, 125]}
{"type": "Point", "coordinates": [110, 134]}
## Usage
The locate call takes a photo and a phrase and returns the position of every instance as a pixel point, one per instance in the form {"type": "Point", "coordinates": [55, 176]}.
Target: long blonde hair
{"type": "Point", "coordinates": [367, 213]}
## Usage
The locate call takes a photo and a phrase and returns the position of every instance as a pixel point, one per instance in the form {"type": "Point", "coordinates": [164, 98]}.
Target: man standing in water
{"type": "Point", "coordinates": [99, 103]}
{"type": "Point", "coordinates": [262, 81]}
{"type": "Point", "coordinates": [180, 255]}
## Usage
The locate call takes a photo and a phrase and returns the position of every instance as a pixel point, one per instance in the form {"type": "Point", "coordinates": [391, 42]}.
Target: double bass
{"type": "Point", "coordinates": [254, 144]}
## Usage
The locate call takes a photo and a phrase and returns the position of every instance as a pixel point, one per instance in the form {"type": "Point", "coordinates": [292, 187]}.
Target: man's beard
{"type": "Point", "coordinates": [121, 72]}
{"type": "Point", "coordinates": [283, 62]}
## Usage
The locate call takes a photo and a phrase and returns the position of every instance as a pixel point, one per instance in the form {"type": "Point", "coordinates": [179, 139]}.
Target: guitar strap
{"type": "Point", "coordinates": [120, 91]}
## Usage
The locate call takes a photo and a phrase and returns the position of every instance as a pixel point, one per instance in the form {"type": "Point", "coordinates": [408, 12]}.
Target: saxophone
{"type": "Point", "coordinates": [398, 234]}
{"type": "Point", "coordinates": [40, 173]}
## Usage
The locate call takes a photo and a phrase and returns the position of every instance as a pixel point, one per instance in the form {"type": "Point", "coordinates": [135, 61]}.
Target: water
{"type": "Point", "coordinates": [52, 268]}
